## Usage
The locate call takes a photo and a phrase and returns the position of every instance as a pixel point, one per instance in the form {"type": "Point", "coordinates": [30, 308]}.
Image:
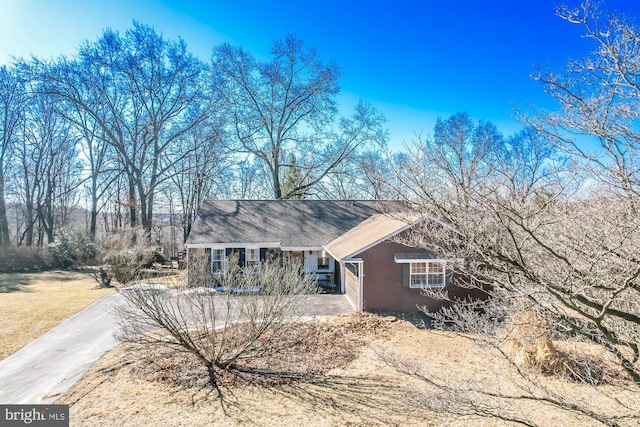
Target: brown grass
{"type": "Point", "coordinates": [530, 345]}
{"type": "Point", "coordinates": [309, 386]}
{"type": "Point", "coordinates": [309, 351]}
{"type": "Point", "coordinates": [347, 384]}
{"type": "Point", "coordinates": [33, 303]}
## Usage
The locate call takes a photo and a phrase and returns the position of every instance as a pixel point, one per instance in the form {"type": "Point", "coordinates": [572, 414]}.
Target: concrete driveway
{"type": "Point", "coordinates": [49, 365]}
{"type": "Point", "coordinates": [327, 305]}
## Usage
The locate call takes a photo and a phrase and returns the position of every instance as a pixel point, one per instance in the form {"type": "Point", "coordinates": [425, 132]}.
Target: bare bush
{"type": "Point", "coordinates": [126, 265]}
{"type": "Point", "coordinates": [103, 277]}
{"type": "Point", "coordinates": [244, 316]}
{"type": "Point", "coordinates": [309, 350]}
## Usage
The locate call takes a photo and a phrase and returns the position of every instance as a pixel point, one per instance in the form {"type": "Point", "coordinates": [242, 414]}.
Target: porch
{"type": "Point", "coordinates": [316, 262]}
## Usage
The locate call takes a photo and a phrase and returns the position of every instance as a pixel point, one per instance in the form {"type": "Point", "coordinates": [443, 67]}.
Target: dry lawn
{"type": "Point", "coordinates": [342, 381]}
{"type": "Point", "coordinates": [33, 303]}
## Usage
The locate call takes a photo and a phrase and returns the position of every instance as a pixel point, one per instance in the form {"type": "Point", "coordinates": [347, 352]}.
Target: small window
{"type": "Point", "coordinates": [427, 275]}
{"type": "Point", "coordinates": [217, 260]}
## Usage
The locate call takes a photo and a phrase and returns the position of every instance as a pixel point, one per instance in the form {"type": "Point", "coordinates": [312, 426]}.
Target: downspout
{"type": "Point", "coordinates": [186, 263]}
{"type": "Point", "coordinates": [360, 286]}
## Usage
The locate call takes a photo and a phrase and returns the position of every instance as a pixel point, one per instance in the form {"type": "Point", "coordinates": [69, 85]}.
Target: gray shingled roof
{"type": "Point", "coordinates": [306, 223]}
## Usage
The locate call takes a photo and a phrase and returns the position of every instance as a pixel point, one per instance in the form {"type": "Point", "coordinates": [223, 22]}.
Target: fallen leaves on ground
{"type": "Point", "coordinates": [312, 349]}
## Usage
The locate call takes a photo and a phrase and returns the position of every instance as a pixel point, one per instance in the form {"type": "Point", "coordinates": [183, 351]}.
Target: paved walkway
{"type": "Point", "coordinates": [49, 365]}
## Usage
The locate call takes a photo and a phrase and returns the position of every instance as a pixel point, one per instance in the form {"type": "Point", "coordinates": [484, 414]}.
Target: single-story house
{"type": "Point", "coordinates": [347, 245]}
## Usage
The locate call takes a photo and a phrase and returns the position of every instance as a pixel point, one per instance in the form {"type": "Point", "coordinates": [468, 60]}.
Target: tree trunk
{"type": "Point", "coordinates": [132, 203]}
{"type": "Point", "coordinates": [146, 212]}
{"type": "Point", "coordinates": [94, 210]}
{"type": "Point", "coordinates": [212, 375]}
{"type": "Point", "coordinates": [29, 220]}
{"type": "Point", "coordinates": [4, 222]}
{"type": "Point", "coordinates": [277, 188]}
{"type": "Point", "coordinates": [147, 221]}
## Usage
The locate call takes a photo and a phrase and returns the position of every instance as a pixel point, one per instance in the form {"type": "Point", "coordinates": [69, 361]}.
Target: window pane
{"type": "Point", "coordinates": [418, 267]}
{"type": "Point", "coordinates": [436, 267]}
{"type": "Point", "coordinates": [436, 280]}
{"type": "Point", "coordinates": [418, 280]}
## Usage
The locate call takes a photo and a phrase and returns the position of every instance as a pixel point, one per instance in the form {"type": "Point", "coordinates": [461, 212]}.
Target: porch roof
{"type": "Point", "coordinates": [370, 232]}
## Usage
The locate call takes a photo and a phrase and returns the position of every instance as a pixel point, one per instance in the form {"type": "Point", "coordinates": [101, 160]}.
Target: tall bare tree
{"type": "Point", "coordinates": [144, 93]}
{"type": "Point", "coordinates": [49, 170]}
{"type": "Point", "coordinates": [198, 176]}
{"type": "Point", "coordinates": [12, 100]}
{"type": "Point", "coordinates": [287, 107]}
{"type": "Point", "coordinates": [367, 175]}
{"type": "Point", "coordinates": [100, 159]}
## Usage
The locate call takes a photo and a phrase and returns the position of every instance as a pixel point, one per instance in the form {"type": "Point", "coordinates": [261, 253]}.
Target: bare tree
{"type": "Point", "coordinates": [244, 316]}
{"type": "Point", "coordinates": [12, 100]}
{"type": "Point", "coordinates": [367, 175]}
{"type": "Point", "coordinates": [49, 172]}
{"type": "Point", "coordinates": [570, 265]}
{"type": "Point", "coordinates": [100, 158]}
{"type": "Point", "coordinates": [551, 232]}
{"type": "Point", "coordinates": [287, 107]}
{"type": "Point", "coordinates": [598, 98]}
{"type": "Point", "coordinates": [197, 177]}
{"type": "Point", "coordinates": [144, 93]}
{"type": "Point", "coordinates": [244, 180]}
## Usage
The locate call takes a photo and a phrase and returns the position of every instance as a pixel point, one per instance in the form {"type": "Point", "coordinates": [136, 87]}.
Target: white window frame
{"type": "Point", "coordinates": [252, 259]}
{"type": "Point", "coordinates": [428, 272]}
{"type": "Point", "coordinates": [219, 260]}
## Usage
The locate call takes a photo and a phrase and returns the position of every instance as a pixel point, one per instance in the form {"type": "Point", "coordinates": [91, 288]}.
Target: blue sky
{"type": "Point", "coordinates": [414, 60]}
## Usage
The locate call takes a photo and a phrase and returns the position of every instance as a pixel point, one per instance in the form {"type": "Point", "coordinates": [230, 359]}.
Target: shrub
{"type": "Point", "coordinates": [155, 257]}
{"type": "Point", "coordinates": [243, 318]}
{"type": "Point", "coordinates": [70, 249]}
{"type": "Point", "coordinates": [22, 259]}
{"type": "Point", "coordinates": [127, 264]}
{"type": "Point", "coordinates": [103, 277]}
